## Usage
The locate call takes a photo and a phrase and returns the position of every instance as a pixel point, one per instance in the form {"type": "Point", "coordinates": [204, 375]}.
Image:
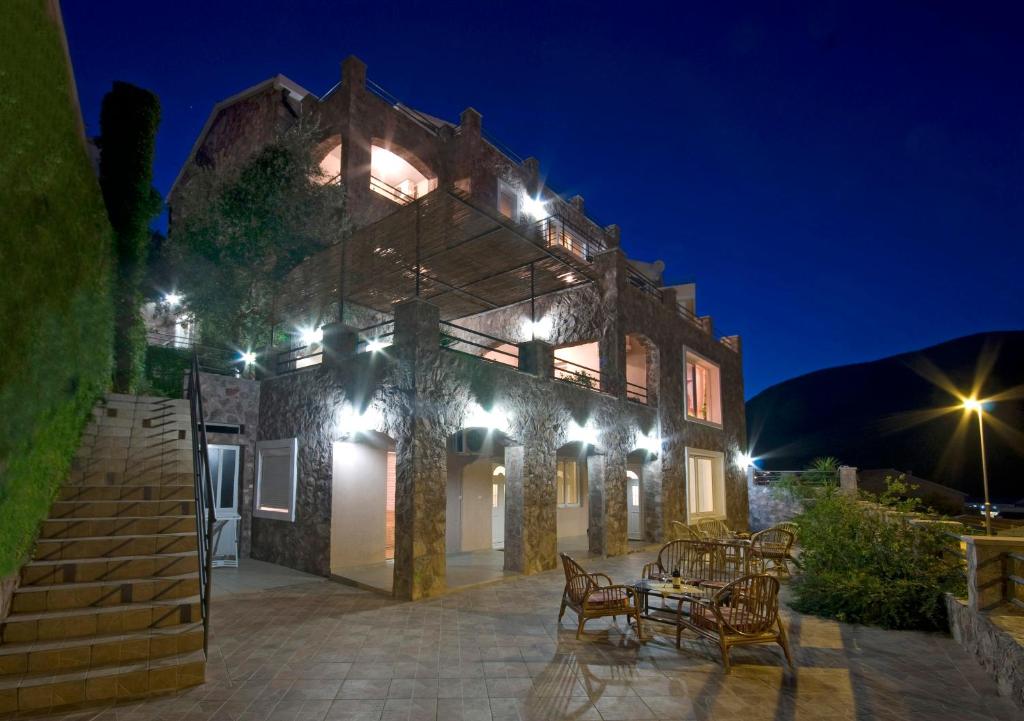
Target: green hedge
{"type": "Point", "coordinates": [55, 299]}
{"type": "Point", "coordinates": [165, 370]}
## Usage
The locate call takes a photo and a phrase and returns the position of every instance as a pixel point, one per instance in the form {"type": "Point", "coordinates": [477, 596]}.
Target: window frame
{"type": "Point", "coordinates": [715, 370]}
{"type": "Point", "coordinates": [285, 446]}
{"type": "Point", "coordinates": [505, 187]}
{"type": "Point", "coordinates": [560, 485]}
{"type": "Point", "coordinates": [718, 501]}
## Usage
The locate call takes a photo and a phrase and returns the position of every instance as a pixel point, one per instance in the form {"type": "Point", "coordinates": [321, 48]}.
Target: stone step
{"type": "Point", "coordinates": [73, 549]}
{"type": "Point", "coordinates": [120, 478]}
{"type": "Point", "coordinates": [49, 573]}
{"type": "Point", "coordinates": [64, 596]}
{"type": "Point", "coordinates": [92, 621]}
{"type": "Point", "coordinates": [116, 509]}
{"type": "Point", "coordinates": [126, 493]}
{"type": "Point", "coordinates": [122, 526]}
{"type": "Point", "coordinates": [40, 657]}
{"type": "Point", "coordinates": [48, 691]}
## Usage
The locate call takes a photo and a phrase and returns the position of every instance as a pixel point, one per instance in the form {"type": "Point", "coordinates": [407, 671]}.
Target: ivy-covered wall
{"type": "Point", "coordinates": [55, 261]}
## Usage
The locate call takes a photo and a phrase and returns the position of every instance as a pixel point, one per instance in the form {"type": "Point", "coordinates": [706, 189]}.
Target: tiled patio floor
{"type": "Point", "coordinates": [318, 650]}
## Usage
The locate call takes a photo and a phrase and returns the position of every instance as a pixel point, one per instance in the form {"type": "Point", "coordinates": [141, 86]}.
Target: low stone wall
{"type": "Point", "coordinates": [999, 651]}
{"type": "Point", "coordinates": [770, 506]}
{"type": "Point", "coordinates": [7, 586]}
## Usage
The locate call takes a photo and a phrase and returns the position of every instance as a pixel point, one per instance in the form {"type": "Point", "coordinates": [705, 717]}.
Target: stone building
{"type": "Point", "coordinates": [478, 368]}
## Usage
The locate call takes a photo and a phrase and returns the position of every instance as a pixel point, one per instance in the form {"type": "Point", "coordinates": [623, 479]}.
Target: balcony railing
{"type": "Point", "coordinates": [376, 336]}
{"type": "Point", "coordinates": [577, 374]}
{"type": "Point", "coordinates": [389, 191]}
{"type": "Point", "coordinates": [636, 392]}
{"type": "Point", "coordinates": [638, 280]}
{"type": "Point", "coordinates": [558, 232]}
{"type": "Point", "coordinates": [480, 345]}
{"type": "Point", "coordinates": [296, 358]}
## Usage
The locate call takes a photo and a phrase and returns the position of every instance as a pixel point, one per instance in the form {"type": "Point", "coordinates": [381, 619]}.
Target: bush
{"type": "Point", "coordinates": [55, 301]}
{"type": "Point", "coordinates": [165, 369]}
{"type": "Point", "coordinates": [864, 563]}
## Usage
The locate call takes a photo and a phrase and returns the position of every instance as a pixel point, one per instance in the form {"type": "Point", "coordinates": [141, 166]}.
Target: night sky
{"type": "Point", "coordinates": [842, 181]}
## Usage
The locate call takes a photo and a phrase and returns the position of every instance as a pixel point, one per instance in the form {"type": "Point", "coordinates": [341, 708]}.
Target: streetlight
{"type": "Point", "coordinates": [973, 405]}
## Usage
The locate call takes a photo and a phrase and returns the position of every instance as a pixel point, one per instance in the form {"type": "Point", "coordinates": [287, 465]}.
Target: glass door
{"type": "Point", "coordinates": [224, 474]}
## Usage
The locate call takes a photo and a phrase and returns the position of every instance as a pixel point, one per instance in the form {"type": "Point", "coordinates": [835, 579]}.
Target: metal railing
{"type": "Point", "coordinates": [501, 147]}
{"type": "Point", "coordinates": [1015, 581]}
{"type": "Point", "coordinates": [640, 281]}
{"type": "Point", "coordinates": [411, 113]}
{"type": "Point", "coordinates": [203, 489]}
{"type": "Point", "coordinates": [375, 336]}
{"type": "Point", "coordinates": [558, 232]}
{"type": "Point", "coordinates": [480, 345]}
{"type": "Point", "coordinates": [636, 392]}
{"type": "Point", "coordinates": [296, 358]}
{"type": "Point", "coordinates": [389, 191]}
{"type": "Point", "coordinates": [580, 375]}
{"type": "Point", "coordinates": [804, 478]}
{"type": "Point", "coordinates": [212, 359]}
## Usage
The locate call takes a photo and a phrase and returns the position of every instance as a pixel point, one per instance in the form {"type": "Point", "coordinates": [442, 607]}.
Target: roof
{"type": "Point", "coordinates": [277, 82]}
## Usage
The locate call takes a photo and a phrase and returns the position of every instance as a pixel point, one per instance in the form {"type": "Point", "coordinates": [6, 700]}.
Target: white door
{"type": "Point", "coordinates": [633, 505]}
{"type": "Point", "coordinates": [498, 508]}
{"type": "Point", "coordinates": [224, 474]}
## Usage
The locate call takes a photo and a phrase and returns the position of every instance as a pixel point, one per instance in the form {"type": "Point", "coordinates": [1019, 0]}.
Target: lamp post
{"type": "Point", "coordinates": [973, 405]}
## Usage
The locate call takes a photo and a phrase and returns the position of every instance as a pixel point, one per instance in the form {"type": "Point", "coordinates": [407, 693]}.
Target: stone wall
{"type": "Point", "coordinates": [770, 505]}
{"type": "Point", "coordinates": [997, 648]}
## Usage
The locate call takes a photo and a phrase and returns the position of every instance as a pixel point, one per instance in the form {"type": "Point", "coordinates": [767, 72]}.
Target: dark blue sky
{"type": "Point", "coordinates": [843, 181]}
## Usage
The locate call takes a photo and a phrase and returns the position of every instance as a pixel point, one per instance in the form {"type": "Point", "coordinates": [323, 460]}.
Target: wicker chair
{"type": "Point", "coordinates": [789, 526]}
{"type": "Point", "coordinates": [680, 531]}
{"type": "Point", "coordinates": [594, 595]}
{"type": "Point", "coordinates": [696, 560]}
{"type": "Point", "coordinates": [744, 612]}
{"type": "Point", "coordinates": [773, 546]}
{"type": "Point", "coordinates": [713, 529]}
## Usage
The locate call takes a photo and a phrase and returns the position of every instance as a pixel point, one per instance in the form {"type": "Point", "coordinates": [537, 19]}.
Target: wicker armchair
{"type": "Point", "coordinates": [713, 529]}
{"type": "Point", "coordinates": [594, 595]}
{"type": "Point", "coordinates": [744, 612]}
{"type": "Point", "coordinates": [789, 526]}
{"type": "Point", "coordinates": [773, 546]}
{"type": "Point", "coordinates": [696, 560]}
{"type": "Point", "coordinates": [680, 531]}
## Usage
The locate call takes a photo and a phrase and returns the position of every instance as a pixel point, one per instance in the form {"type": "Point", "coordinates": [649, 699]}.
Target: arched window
{"type": "Point", "coordinates": [396, 178]}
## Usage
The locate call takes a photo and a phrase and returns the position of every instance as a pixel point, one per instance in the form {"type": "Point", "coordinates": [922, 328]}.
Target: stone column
{"type": "Point", "coordinates": [537, 357]}
{"type": "Point", "coordinates": [609, 516]}
{"type": "Point", "coordinates": [340, 343]}
{"type": "Point", "coordinates": [611, 267]}
{"type": "Point", "coordinates": [355, 141]}
{"type": "Point", "coordinates": [986, 569]}
{"type": "Point", "coordinates": [420, 444]}
{"type": "Point", "coordinates": [671, 420]}
{"type": "Point", "coordinates": [530, 522]}
{"type": "Point", "coordinates": [651, 486]}
{"type": "Point", "coordinates": [848, 479]}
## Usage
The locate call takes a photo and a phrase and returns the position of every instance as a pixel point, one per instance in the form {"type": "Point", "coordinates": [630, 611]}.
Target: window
{"type": "Point", "coordinates": [390, 486]}
{"type": "Point", "coordinates": [703, 390]}
{"type": "Point", "coordinates": [276, 473]}
{"type": "Point", "coordinates": [224, 474]}
{"type": "Point", "coordinates": [395, 178]}
{"type": "Point", "coordinates": [567, 479]}
{"type": "Point", "coordinates": [705, 486]}
{"type": "Point", "coordinates": [507, 204]}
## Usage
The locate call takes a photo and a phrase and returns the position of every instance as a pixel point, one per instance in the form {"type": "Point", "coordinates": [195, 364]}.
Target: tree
{"type": "Point", "coordinates": [128, 122]}
{"type": "Point", "coordinates": [239, 229]}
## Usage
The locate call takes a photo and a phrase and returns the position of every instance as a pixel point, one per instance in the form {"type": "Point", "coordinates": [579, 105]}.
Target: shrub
{"type": "Point", "coordinates": [864, 563]}
{"type": "Point", "coordinates": [165, 369]}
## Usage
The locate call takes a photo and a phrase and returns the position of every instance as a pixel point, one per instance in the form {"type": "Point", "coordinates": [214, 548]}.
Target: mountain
{"type": "Point", "coordinates": [890, 413]}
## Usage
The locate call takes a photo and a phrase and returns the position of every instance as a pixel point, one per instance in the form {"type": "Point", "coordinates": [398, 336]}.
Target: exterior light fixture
{"type": "Point", "coordinates": [651, 444]}
{"type": "Point", "coordinates": [587, 435]}
{"type": "Point", "coordinates": [478, 417]}
{"type": "Point", "coordinates": [538, 329]}
{"type": "Point", "coordinates": [375, 345]}
{"type": "Point", "coordinates": [173, 299]}
{"type": "Point", "coordinates": [535, 207]}
{"type": "Point", "coordinates": [744, 460]}
{"type": "Point", "coordinates": [247, 357]}
{"type": "Point", "coordinates": [498, 471]}
{"type": "Point", "coordinates": [349, 421]}
{"type": "Point", "coordinates": [309, 336]}
{"type": "Point", "coordinates": [973, 405]}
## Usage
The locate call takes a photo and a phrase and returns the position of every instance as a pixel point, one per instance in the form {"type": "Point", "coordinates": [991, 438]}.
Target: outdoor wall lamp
{"type": "Point", "coordinates": [310, 335]}
{"type": "Point", "coordinates": [247, 357]}
{"type": "Point", "coordinates": [349, 421]}
{"type": "Point", "coordinates": [478, 417]}
{"type": "Point", "coordinates": [587, 435]}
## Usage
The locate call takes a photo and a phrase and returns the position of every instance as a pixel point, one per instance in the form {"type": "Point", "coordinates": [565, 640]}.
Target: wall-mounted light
{"type": "Point", "coordinates": [479, 417]}
{"type": "Point", "coordinates": [651, 444]}
{"type": "Point", "coordinates": [349, 421]}
{"type": "Point", "coordinates": [173, 300]}
{"type": "Point", "coordinates": [535, 207]}
{"type": "Point", "coordinates": [247, 357]}
{"type": "Point", "coordinates": [586, 434]}
{"type": "Point", "coordinates": [744, 460]}
{"type": "Point", "coordinates": [310, 335]}
{"type": "Point", "coordinates": [375, 345]}
{"type": "Point", "coordinates": [538, 329]}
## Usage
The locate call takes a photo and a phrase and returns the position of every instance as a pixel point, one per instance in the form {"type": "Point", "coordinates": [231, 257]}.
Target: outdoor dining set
{"type": "Point", "coordinates": [718, 584]}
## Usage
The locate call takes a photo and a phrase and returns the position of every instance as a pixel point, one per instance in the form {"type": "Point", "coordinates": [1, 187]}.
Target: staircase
{"type": "Point", "coordinates": [109, 607]}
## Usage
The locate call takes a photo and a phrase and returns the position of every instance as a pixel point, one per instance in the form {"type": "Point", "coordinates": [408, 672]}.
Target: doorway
{"type": "Point", "coordinates": [498, 507]}
{"type": "Point", "coordinates": [634, 504]}
{"type": "Point", "coordinates": [224, 475]}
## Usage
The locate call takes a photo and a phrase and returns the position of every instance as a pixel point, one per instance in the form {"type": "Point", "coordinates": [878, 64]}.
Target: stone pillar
{"type": "Point", "coordinates": [609, 520]}
{"type": "Point", "coordinates": [613, 235]}
{"type": "Point", "coordinates": [420, 444]}
{"type": "Point", "coordinates": [531, 543]}
{"type": "Point", "coordinates": [611, 268]}
{"type": "Point", "coordinates": [651, 486]}
{"type": "Point", "coordinates": [537, 357]}
{"type": "Point", "coordinates": [706, 324]}
{"type": "Point", "coordinates": [986, 569]}
{"type": "Point", "coordinates": [848, 479]}
{"type": "Point", "coordinates": [340, 343]}
{"type": "Point", "coordinates": [355, 141]}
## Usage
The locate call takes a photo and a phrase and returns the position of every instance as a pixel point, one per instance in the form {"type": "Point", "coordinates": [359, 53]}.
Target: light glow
{"type": "Point", "coordinates": [247, 357]}
{"type": "Point", "coordinates": [587, 434]}
{"type": "Point", "coordinates": [972, 405]}
{"type": "Point", "coordinates": [499, 471]}
{"type": "Point", "coordinates": [651, 444]}
{"type": "Point", "coordinates": [479, 417]}
{"type": "Point", "coordinates": [375, 345]}
{"type": "Point", "coordinates": [538, 329]}
{"type": "Point", "coordinates": [535, 207]}
{"type": "Point", "coordinates": [349, 421]}
{"type": "Point", "coordinates": [173, 299]}
{"type": "Point", "coordinates": [310, 335]}
{"type": "Point", "coordinates": [744, 460]}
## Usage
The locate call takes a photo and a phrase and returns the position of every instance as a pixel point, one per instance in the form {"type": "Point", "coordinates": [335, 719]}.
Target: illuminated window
{"type": "Point", "coordinates": [705, 488]}
{"type": "Point", "coordinates": [494, 495]}
{"type": "Point", "coordinates": [567, 480]}
{"type": "Point", "coordinates": [330, 166]}
{"type": "Point", "coordinates": [276, 473]}
{"type": "Point", "coordinates": [395, 178]}
{"type": "Point", "coordinates": [507, 203]}
{"type": "Point", "coordinates": [703, 390]}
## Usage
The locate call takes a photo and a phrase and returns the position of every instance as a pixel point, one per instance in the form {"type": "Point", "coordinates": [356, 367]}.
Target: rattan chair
{"type": "Point", "coordinates": [594, 595]}
{"type": "Point", "coordinates": [680, 531]}
{"type": "Point", "coordinates": [745, 612]}
{"type": "Point", "coordinates": [791, 527]}
{"type": "Point", "coordinates": [695, 560]}
{"type": "Point", "coordinates": [773, 546]}
{"type": "Point", "coordinates": [714, 529]}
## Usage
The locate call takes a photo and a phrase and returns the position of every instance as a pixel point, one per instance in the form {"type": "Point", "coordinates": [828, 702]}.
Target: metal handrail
{"type": "Point", "coordinates": [636, 278]}
{"type": "Point", "coordinates": [511, 358]}
{"type": "Point", "coordinates": [558, 232]}
{"type": "Point", "coordinates": [203, 489]}
{"type": "Point", "coordinates": [401, 107]}
{"type": "Point", "coordinates": [575, 377]}
{"type": "Point", "coordinates": [636, 392]}
{"type": "Point", "coordinates": [389, 191]}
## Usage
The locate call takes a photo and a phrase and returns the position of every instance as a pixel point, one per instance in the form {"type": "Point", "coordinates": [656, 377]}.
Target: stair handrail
{"type": "Point", "coordinates": [203, 487]}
